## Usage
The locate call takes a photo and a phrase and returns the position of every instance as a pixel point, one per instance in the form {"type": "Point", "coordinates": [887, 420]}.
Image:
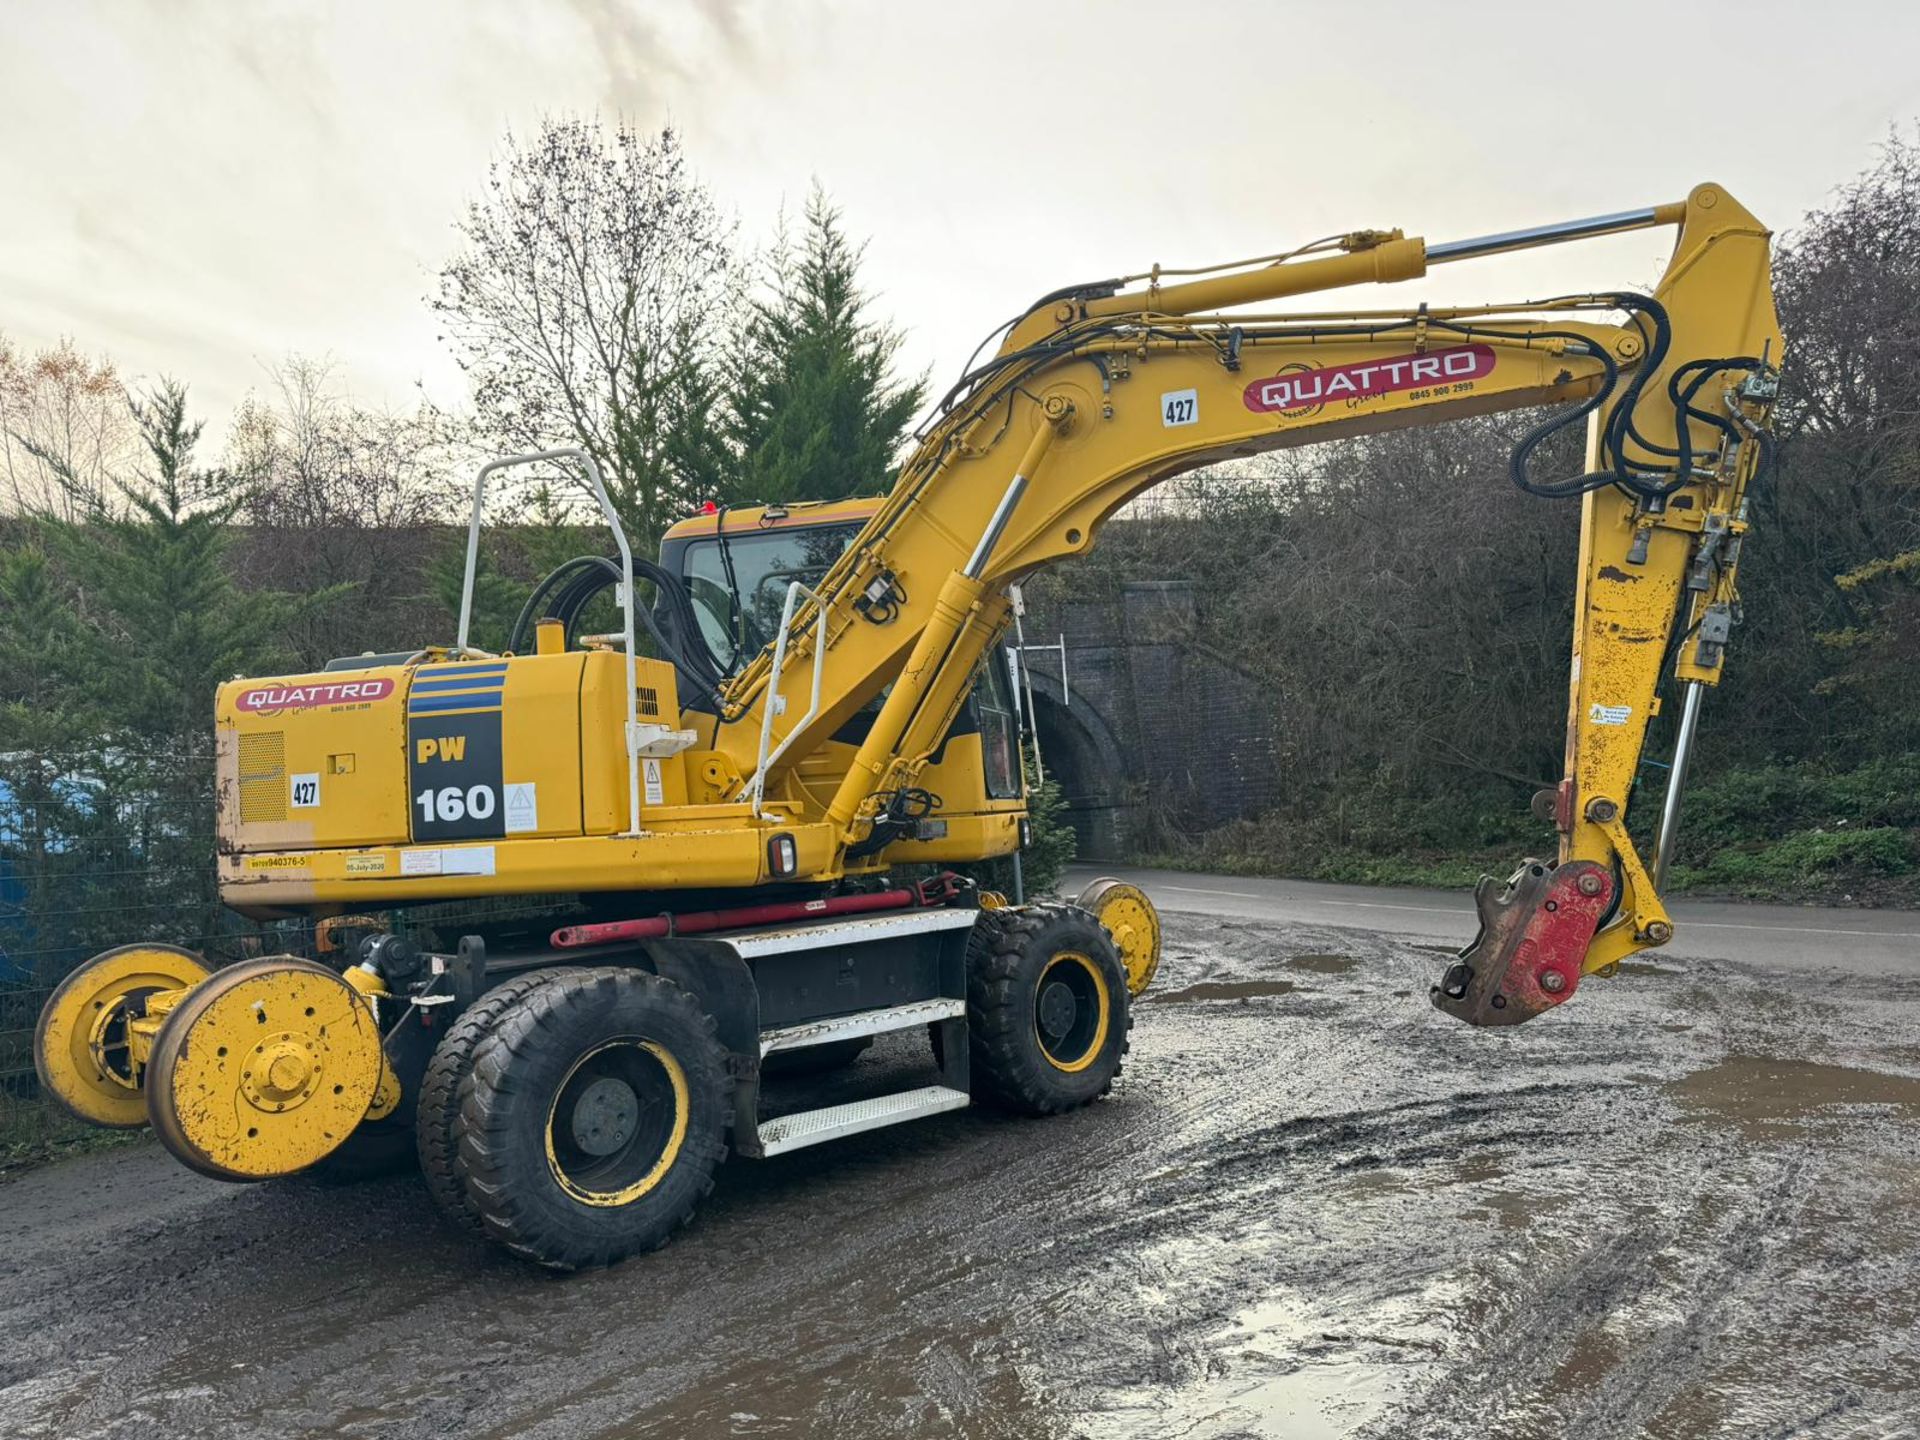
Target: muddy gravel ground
{"type": "Point", "coordinates": [1686, 1205]}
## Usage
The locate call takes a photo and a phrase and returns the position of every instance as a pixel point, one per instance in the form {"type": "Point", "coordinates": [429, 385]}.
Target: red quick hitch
{"type": "Point", "coordinates": [1532, 943]}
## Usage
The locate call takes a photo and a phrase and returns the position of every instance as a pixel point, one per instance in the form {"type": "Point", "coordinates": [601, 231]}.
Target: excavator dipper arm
{"type": "Point", "coordinates": [1100, 392]}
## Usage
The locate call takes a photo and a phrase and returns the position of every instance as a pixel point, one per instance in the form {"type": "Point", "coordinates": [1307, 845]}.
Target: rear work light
{"type": "Point", "coordinates": [783, 856]}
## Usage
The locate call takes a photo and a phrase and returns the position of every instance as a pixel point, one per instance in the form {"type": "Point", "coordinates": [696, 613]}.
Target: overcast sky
{"type": "Point", "coordinates": [200, 188]}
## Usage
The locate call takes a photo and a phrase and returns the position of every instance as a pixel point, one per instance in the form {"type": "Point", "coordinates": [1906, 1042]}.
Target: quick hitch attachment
{"type": "Point", "coordinates": [1532, 943]}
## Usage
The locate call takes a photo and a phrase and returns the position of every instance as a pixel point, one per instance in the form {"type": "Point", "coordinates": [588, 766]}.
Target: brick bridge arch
{"type": "Point", "coordinates": [1082, 753]}
{"type": "Point", "coordinates": [1152, 733]}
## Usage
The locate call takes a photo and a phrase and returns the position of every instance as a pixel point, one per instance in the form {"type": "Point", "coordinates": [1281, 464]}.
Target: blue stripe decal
{"type": "Point", "coordinates": [426, 704]}
{"type": "Point", "coordinates": [461, 677]}
{"type": "Point", "coordinates": [491, 687]}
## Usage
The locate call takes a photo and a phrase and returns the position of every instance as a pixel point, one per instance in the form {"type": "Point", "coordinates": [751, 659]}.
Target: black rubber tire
{"type": "Point", "coordinates": [1007, 955]}
{"type": "Point", "coordinates": [816, 1059]}
{"type": "Point", "coordinates": [376, 1149]}
{"type": "Point", "coordinates": [449, 1075]}
{"type": "Point", "coordinates": [519, 1073]}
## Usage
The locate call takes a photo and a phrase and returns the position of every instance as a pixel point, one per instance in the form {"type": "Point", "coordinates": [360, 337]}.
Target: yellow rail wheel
{"type": "Point", "coordinates": [264, 1069]}
{"type": "Point", "coordinates": [596, 1115]}
{"type": "Point", "coordinates": [1134, 924]}
{"type": "Point", "coordinates": [1047, 1009]}
{"type": "Point", "coordinates": [80, 1046]}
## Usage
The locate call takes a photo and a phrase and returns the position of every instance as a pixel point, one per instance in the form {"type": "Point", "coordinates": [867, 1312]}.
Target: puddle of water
{"type": "Point", "coordinates": [1482, 1165]}
{"type": "Point", "coordinates": [1519, 1209]}
{"type": "Point", "coordinates": [1314, 1402]}
{"type": "Point", "coordinates": [1592, 1359]}
{"type": "Point", "coordinates": [1766, 1097]}
{"type": "Point", "coordinates": [1290, 1378]}
{"type": "Point", "coordinates": [1368, 1183]}
{"type": "Point", "coordinates": [1323, 964]}
{"type": "Point", "coordinates": [1225, 990]}
{"type": "Point", "coordinates": [1286, 1367]}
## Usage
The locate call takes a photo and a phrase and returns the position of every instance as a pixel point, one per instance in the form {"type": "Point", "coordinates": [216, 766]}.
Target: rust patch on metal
{"type": "Point", "coordinates": [1614, 572]}
{"type": "Point", "coordinates": [1532, 942]}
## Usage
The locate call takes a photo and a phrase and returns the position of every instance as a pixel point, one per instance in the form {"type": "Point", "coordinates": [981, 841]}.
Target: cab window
{"type": "Point", "coordinates": [993, 705]}
{"type": "Point", "coordinates": [739, 585]}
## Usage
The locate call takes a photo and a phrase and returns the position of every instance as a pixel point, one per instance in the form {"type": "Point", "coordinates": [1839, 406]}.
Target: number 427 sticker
{"type": "Point", "coordinates": [1180, 407]}
{"type": "Point", "coordinates": [303, 791]}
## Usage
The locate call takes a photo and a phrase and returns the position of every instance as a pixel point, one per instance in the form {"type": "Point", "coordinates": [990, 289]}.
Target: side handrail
{"type": "Point", "coordinates": [624, 596]}
{"type": "Point", "coordinates": [756, 788]}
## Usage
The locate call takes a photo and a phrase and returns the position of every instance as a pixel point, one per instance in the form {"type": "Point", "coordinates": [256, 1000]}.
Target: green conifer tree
{"type": "Point", "coordinates": [163, 619]}
{"type": "Point", "coordinates": [815, 412]}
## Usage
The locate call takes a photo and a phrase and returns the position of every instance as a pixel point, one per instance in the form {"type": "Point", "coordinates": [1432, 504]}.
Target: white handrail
{"type": "Point", "coordinates": [757, 786]}
{"type": "Point", "coordinates": [625, 596]}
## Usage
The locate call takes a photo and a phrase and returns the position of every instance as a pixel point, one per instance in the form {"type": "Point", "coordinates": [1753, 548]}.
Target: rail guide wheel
{"type": "Point", "coordinates": [264, 1069]}
{"type": "Point", "coordinates": [81, 1048]}
{"type": "Point", "coordinates": [1129, 917]}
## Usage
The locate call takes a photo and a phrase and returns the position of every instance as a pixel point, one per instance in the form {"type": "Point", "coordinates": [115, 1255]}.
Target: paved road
{"type": "Point", "coordinates": [1864, 942]}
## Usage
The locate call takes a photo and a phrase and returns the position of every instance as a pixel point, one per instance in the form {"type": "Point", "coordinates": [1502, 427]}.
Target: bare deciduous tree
{"type": "Point", "coordinates": [65, 429]}
{"type": "Point", "coordinates": [596, 280]}
{"type": "Point", "coordinates": [340, 497]}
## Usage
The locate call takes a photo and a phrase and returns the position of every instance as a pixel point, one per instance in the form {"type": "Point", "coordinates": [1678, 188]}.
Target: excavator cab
{"type": "Point", "coordinates": [737, 563]}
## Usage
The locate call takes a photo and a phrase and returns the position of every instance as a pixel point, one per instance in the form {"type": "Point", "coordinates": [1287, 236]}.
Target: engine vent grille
{"type": "Point", "coordinates": [263, 777]}
{"type": "Point", "coordinates": [649, 699]}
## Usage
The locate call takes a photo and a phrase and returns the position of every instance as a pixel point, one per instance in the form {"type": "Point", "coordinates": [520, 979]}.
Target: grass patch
{"type": "Point", "coordinates": [34, 1132]}
{"type": "Point", "coordinates": [1792, 833]}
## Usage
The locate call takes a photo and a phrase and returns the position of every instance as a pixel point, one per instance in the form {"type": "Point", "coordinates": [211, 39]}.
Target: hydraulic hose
{"type": "Point", "coordinates": [566, 592]}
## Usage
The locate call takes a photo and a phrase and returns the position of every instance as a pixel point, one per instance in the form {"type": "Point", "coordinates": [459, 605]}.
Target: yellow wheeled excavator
{"type": "Point", "coordinates": [822, 702]}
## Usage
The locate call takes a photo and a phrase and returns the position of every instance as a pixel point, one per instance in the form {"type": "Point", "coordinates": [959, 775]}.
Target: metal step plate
{"type": "Point", "coordinates": [815, 1127]}
{"type": "Point", "coordinates": [819, 934]}
{"type": "Point", "coordinates": [864, 1022]}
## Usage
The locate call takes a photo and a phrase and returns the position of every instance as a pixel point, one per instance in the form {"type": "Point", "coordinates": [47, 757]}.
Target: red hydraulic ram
{"type": "Point", "coordinates": [655, 926]}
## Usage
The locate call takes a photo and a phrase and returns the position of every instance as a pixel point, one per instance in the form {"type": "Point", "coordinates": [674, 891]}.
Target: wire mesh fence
{"type": "Point", "coordinates": [112, 845]}
{"type": "Point", "coordinates": [98, 848]}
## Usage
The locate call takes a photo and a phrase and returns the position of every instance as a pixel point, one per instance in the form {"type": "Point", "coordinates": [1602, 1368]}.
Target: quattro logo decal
{"type": "Point", "coordinates": [271, 699]}
{"type": "Point", "coordinates": [1298, 391]}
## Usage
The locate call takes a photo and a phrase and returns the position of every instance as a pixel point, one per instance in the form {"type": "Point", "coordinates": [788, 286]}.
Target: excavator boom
{"type": "Point", "coordinates": [1100, 392]}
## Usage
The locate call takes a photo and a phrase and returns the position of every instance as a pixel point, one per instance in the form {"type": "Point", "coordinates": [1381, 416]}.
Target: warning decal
{"type": "Point", "coordinates": [522, 808]}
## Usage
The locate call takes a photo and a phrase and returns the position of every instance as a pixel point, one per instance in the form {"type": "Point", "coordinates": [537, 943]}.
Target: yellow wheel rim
{"type": "Point", "coordinates": [264, 1069]}
{"type": "Point", "coordinates": [80, 1045]}
{"type": "Point", "coordinates": [1072, 1012]}
{"type": "Point", "coordinates": [618, 1121]}
{"type": "Point", "coordinates": [1129, 917]}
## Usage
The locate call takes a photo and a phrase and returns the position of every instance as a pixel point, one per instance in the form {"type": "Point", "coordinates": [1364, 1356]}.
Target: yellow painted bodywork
{"type": "Point", "coordinates": [1094, 398]}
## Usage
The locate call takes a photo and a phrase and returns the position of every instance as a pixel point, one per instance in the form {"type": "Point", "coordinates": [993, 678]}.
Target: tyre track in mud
{"type": "Point", "coordinates": [1311, 1207]}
